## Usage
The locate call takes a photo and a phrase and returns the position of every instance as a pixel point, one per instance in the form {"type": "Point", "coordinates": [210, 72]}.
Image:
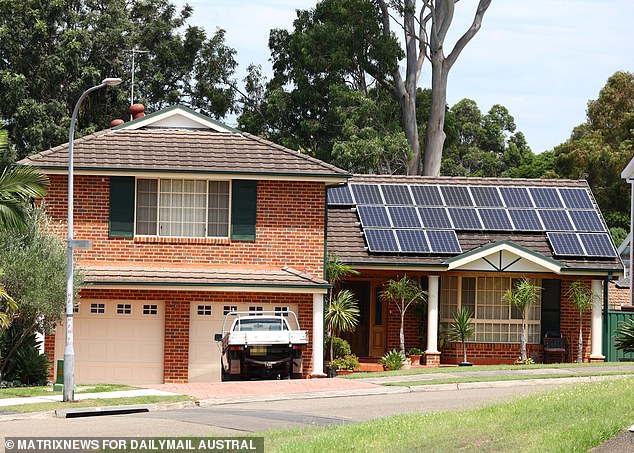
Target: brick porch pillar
{"type": "Point", "coordinates": [432, 354]}
{"type": "Point", "coordinates": [596, 335]}
{"type": "Point", "coordinates": [318, 336]}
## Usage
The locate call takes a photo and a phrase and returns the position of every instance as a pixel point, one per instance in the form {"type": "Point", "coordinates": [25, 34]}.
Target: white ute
{"type": "Point", "coordinates": [261, 344]}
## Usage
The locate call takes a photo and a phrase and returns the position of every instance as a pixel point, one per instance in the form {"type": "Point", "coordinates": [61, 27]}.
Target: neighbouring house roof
{"type": "Point", "coordinates": [163, 276]}
{"type": "Point", "coordinates": [480, 249]}
{"type": "Point", "coordinates": [167, 142]}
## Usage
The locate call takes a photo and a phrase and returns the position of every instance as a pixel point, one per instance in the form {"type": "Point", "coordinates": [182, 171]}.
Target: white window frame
{"type": "Point", "coordinates": [158, 206]}
{"type": "Point", "coordinates": [485, 328]}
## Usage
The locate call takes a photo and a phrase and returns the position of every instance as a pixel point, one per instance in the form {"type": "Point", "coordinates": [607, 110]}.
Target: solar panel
{"type": "Point", "coordinates": [597, 244]}
{"type": "Point", "coordinates": [576, 198]}
{"type": "Point", "coordinates": [412, 241]}
{"type": "Point", "coordinates": [381, 241]}
{"type": "Point", "coordinates": [373, 216]}
{"type": "Point", "coordinates": [486, 196]}
{"type": "Point", "coordinates": [404, 217]}
{"type": "Point", "coordinates": [456, 196]}
{"type": "Point", "coordinates": [427, 195]}
{"type": "Point", "coordinates": [525, 220]}
{"type": "Point", "coordinates": [394, 194]}
{"type": "Point", "coordinates": [434, 218]}
{"type": "Point", "coordinates": [555, 220]}
{"type": "Point", "coordinates": [339, 196]}
{"type": "Point", "coordinates": [366, 194]}
{"type": "Point", "coordinates": [565, 244]}
{"type": "Point", "coordinates": [546, 197]}
{"type": "Point", "coordinates": [443, 241]}
{"type": "Point", "coordinates": [495, 219]}
{"type": "Point", "coordinates": [586, 221]}
{"type": "Point", "coordinates": [516, 197]}
{"type": "Point", "coordinates": [465, 219]}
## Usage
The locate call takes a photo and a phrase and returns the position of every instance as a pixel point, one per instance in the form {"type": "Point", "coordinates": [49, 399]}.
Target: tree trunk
{"type": "Point", "coordinates": [464, 351]}
{"type": "Point", "coordinates": [523, 347]}
{"type": "Point", "coordinates": [410, 128]}
{"type": "Point", "coordinates": [435, 134]}
{"type": "Point", "coordinates": [402, 334]}
{"type": "Point", "coordinates": [580, 344]}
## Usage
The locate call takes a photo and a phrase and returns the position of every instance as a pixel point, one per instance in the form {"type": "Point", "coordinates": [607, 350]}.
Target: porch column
{"type": "Point", "coordinates": [432, 355]}
{"type": "Point", "coordinates": [318, 336]}
{"type": "Point", "coordinates": [596, 352]}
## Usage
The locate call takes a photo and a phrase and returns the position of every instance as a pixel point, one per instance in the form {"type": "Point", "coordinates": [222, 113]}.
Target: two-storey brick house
{"type": "Point", "coordinates": [188, 219]}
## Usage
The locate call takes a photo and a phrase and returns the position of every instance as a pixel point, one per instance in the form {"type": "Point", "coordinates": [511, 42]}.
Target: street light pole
{"type": "Point", "coordinates": [69, 352]}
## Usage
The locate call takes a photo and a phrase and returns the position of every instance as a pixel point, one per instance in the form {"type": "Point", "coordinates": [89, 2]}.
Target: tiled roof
{"type": "Point", "coordinates": [131, 274]}
{"type": "Point", "coordinates": [345, 237]}
{"type": "Point", "coordinates": [182, 151]}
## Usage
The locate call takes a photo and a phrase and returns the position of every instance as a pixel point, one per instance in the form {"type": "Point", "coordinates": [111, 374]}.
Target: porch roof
{"type": "Point", "coordinates": [200, 278]}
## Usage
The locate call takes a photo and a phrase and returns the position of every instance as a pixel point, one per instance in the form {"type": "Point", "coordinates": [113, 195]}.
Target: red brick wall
{"type": "Point", "coordinates": [410, 329]}
{"type": "Point", "coordinates": [487, 353]}
{"type": "Point", "coordinates": [49, 350]}
{"type": "Point", "coordinates": [289, 228]}
{"type": "Point", "coordinates": [570, 323]}
{"type": "Point", "coordinates": [618, 296]}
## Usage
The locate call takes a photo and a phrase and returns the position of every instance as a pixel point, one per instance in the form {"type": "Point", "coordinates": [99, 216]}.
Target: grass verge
{"type": "Point", "coordinates": [467, 379]}
{"type": "Point", "coordinates": [574, 419]}
{"type": "Point", "coordinates": [47, 390]}
{"type": "Point", "coordinates": [100, 402]}
{"type": "Point", "coordinates": [456, 369]}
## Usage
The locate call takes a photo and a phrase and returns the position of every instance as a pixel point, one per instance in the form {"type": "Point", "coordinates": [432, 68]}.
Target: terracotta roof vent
{"type": "Point", "coordinates": [137, 111]}
{"type": "Point", "coordinates": [117, 122]}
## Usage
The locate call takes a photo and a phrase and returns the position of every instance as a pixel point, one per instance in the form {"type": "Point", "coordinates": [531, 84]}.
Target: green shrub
{"type": "Point", "coordinates": [415, 351]}
{"type": "Point", "coordinates": [25, 364]}
{"type": "Point", "coordinates": [393, 360]}
{"type": "Point", "coordinates": [341, 347]}
{"type": "Point", "coordinates": [347, 362]}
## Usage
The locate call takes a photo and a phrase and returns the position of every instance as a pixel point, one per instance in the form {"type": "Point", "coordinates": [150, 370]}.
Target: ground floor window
{"type": "Point", "coordinates": [494, 320]}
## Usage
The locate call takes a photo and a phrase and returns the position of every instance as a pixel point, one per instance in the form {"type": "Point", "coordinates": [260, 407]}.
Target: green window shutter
{"type": "Point", "coordinates": [243, 207]}
{"type": "Point", "coordinates": [121, 206]}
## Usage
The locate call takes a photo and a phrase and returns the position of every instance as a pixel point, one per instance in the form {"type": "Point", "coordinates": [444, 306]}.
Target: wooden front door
{"type": "Point", "coordinates": [378, 324]}
{"type": "Point", "coordinates": [359, 338]}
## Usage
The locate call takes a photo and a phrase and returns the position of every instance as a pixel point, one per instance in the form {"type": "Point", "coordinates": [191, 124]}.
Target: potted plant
{"type": "Point", "coordinates": [392, 360]}
{"type": "Point", "coordinates": [345, 365]}
{"type": "Point", "coordinates": [461, 330]}
{"type": "Point", "coordinates": [414, 355]}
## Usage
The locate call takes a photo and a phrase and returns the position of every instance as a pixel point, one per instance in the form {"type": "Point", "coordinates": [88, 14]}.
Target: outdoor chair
{"type": "Point", "coordinates": [555, 347]}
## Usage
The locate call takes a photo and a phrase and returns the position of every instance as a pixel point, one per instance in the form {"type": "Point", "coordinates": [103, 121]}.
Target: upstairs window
{"type": "Point", "coordinates": [182, 208]}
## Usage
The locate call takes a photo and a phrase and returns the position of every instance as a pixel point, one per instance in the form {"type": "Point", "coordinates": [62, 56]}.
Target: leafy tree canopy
{"type": "Point", "coordinates": [51, 51]}
{"type": "Point", "coordinates": [599, 149]}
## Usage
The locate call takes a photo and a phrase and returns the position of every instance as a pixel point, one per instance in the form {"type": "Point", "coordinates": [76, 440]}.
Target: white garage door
{"type": "Point", "coordinates": [206, 320]}
{"type": "Point", "coordinates": [119, 342]}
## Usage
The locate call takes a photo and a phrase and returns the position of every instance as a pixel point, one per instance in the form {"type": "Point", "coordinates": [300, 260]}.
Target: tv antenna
{"type": "Point", "coordinates": [134, 52]}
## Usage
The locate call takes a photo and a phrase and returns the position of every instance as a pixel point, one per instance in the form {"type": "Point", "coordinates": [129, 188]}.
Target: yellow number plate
{"type": "Point", "coordinates": [258, 350]}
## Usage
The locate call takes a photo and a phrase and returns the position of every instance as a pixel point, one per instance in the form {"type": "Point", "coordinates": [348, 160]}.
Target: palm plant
{"type": "Point", "coordinates": [461, 329]}
{"type": "Point", "coordinates": [522, 296]}
{"type": "Point", "coordinates": [403, 293]}
{"type": "Point", "coordinates": [342, 315]}
{"type": "Point", "coordinates": [581, 295]}
{"type": "Point", "coordinates": [336, 271]}
{"type": "Point", "coordinates": [625, 336]}
{"type": "Point", "coordinates": [18, 185]}
{"type": "Point", "coordinates": [7, 308]}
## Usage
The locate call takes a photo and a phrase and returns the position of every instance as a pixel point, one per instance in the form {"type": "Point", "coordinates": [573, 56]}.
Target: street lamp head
{"type": "Point", "coordinates": [111, 81]}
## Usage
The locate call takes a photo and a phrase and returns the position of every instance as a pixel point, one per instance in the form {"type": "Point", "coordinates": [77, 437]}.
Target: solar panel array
{"type": "Point", "coordinates": [401, 218]}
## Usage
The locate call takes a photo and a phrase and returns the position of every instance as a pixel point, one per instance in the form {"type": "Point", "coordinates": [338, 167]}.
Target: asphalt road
{"type": "Point", "coordinates": [233, 419]}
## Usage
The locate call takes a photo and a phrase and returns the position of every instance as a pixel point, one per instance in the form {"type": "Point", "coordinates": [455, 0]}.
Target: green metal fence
{"type": "Point", "coordinates": [612, 321]}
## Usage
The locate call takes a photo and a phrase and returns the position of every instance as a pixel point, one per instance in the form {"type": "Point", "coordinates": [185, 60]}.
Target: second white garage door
{"type": "Point", "coordinates": [117, 342]}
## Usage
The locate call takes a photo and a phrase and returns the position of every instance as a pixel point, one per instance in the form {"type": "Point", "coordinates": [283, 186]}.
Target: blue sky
{"type": "Point", "coordinates": [542, 59]}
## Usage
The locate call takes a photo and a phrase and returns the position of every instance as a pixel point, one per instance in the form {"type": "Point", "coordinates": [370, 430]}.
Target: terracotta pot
{"type": "Point", "coordinates": [415, 359]}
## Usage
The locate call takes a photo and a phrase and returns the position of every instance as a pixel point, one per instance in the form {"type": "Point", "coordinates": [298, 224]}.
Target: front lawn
{"type": "Point", "coordinates": [456, 369]}
{"type": "Point", "coordinates": [573, 419]}
{"type": "Point", "coordinates": [47, 390]}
